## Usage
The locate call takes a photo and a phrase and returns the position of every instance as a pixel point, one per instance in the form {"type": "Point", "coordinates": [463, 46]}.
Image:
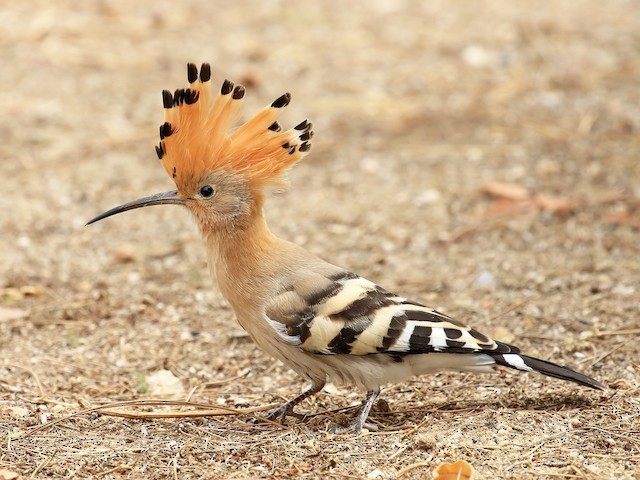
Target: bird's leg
{"type": "Point", "coordinates": [361, 420]}
{"type": "Point", "coordinates": [285, 410]}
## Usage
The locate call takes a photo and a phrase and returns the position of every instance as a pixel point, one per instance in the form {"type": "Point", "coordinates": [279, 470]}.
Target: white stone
{"type": "Point", "coordinates": [164, 383]}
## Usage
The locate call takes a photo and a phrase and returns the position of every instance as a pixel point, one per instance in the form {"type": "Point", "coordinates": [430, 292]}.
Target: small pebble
{"type": "Point", "coordinates": [164, 383]}
{"type": "Point", "coordinates": [485, 280]}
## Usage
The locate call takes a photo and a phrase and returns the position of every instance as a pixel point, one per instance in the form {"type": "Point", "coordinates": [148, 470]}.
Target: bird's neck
{"type": "Point", "coordinates": [243, 256]}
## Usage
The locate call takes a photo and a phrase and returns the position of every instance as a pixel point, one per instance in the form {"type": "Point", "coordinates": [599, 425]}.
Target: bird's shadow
{"type": "Point", "coordinates": [391, 419]}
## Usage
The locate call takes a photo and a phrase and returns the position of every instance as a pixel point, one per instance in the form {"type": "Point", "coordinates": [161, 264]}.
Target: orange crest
{"type": "Point", "coordinates": [195, 137]}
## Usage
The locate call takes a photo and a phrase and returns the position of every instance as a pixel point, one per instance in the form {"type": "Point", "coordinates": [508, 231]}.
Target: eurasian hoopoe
{"type": "Point", "coordinates": [323, 321]}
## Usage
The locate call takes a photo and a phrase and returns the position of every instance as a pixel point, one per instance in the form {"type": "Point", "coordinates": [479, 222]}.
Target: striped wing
{"type": "Point", "coordinates": [343, 313]}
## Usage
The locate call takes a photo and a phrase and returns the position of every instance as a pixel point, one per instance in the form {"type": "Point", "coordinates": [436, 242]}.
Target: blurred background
{"type": "Point", "coordinates": [481, 157]}
{"type": "Point", "coordinates": [415, 106]}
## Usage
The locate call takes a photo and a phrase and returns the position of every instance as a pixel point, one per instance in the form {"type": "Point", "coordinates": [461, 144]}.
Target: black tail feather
{"type": "Point", "coordinates": [525, 363]}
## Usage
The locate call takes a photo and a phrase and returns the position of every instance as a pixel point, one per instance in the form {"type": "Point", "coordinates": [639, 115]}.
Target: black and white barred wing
{"type": "Point", "coordinates": [344, 313]}
{"type": "Point", "coordinates": [340, 313]}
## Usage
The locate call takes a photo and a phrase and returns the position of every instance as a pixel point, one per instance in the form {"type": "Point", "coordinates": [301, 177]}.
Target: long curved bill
{"type": "Point", "coordinates": [164, 198]}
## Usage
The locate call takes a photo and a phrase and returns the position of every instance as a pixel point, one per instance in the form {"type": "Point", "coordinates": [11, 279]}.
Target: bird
{"type": "Point", "coordinates": [324, 322]}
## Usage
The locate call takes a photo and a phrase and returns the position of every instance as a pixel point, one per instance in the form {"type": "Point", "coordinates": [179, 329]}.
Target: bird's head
{"type": "Point", "coordinates": [221, 176]}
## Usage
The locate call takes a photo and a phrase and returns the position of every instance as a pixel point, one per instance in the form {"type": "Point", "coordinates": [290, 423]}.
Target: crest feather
{"type": "Point", "coordinates": [195, 136]}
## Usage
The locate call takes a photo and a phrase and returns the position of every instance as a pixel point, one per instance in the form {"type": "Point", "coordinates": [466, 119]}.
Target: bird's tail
{"type": "Point", "coordinates": [530, 364]}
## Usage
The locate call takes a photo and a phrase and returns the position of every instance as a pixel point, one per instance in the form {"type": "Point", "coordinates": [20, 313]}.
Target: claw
{"type": "Point", "coordinates": [355, 427]}
{"type": "Point", "coordinates": [361, 421]}
{"type": "Point", "coordinates": [280, 413]}
{"type": "Point", "coordinates": [286, 410]}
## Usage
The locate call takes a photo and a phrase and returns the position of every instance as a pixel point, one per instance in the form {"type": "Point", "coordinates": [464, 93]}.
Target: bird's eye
{"type": "Point", "coordinates": [207, 191]}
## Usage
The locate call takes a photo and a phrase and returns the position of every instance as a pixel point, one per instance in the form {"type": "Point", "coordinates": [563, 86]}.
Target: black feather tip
{"type": "Point", "coordinates": [238, 92]}
{"type": "Point", "coordinates": [191, 96]}
{"type": "Point", "coordinates": [192, 72]}
{"type": "Point", "coordinates": [178, 97]}
{"type": "Point", "coordinates": [306, 136]}
{"type": "Point", "coordinates": [282, 101]}
{"type": "Point", "coordinates": [205, 72]}
{"type": "Point", "coordinates": [302, 125]}
{"type": "Point", "coordinates": [275, 127]}
{"type": "Point", "coordinates": [167, 99]}
{"type": "Point", "coordinates": [165, 130]}
{"type": "Point", "coordinates": [305, 147]}
{"type": "Point", "coordinates": [227, 87]}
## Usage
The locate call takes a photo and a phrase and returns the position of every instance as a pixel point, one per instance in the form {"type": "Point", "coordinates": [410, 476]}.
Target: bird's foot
{"type": "Point", "coordinates": [280, 413]}
{"type": "Point", "coordinates": [361, 420]}
{"type": "Point", "coordinates": [286, 410]}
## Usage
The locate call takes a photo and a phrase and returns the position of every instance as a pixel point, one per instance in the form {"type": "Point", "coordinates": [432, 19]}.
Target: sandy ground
{"type": "Point", "coordinates": [479, 157]}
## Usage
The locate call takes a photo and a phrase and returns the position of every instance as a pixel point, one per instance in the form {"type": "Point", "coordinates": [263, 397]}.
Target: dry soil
{"type": "Point", "coordinates": [479, 157]}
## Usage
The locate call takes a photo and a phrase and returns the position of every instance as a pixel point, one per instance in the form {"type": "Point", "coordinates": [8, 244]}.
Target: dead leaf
{"type": "Point", "coordinates": [509, 191]}
{"type": "Point", "coordinates": [555, 204]}
{"type": "Point", "coordinates": [511, 198]}
{"type": "Point", "coordinates": [32, 290]}
{"type": "Point", "coordinates": [16, 411]}
{"type": "Point", "coordinates": [505, 206]}
{"type": "Point", "coordinates": [124, 255]}
{"type": "Point", "coordinates": [15, 294]}
{"type": "Point", "coordinates": [12, 313]}
{"type": "Point", "coordinates": [621, 218]}
{"type": "Point", "coordinates": [8, 474]}
{"type": "Point", "coordinates": [460, 470]}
